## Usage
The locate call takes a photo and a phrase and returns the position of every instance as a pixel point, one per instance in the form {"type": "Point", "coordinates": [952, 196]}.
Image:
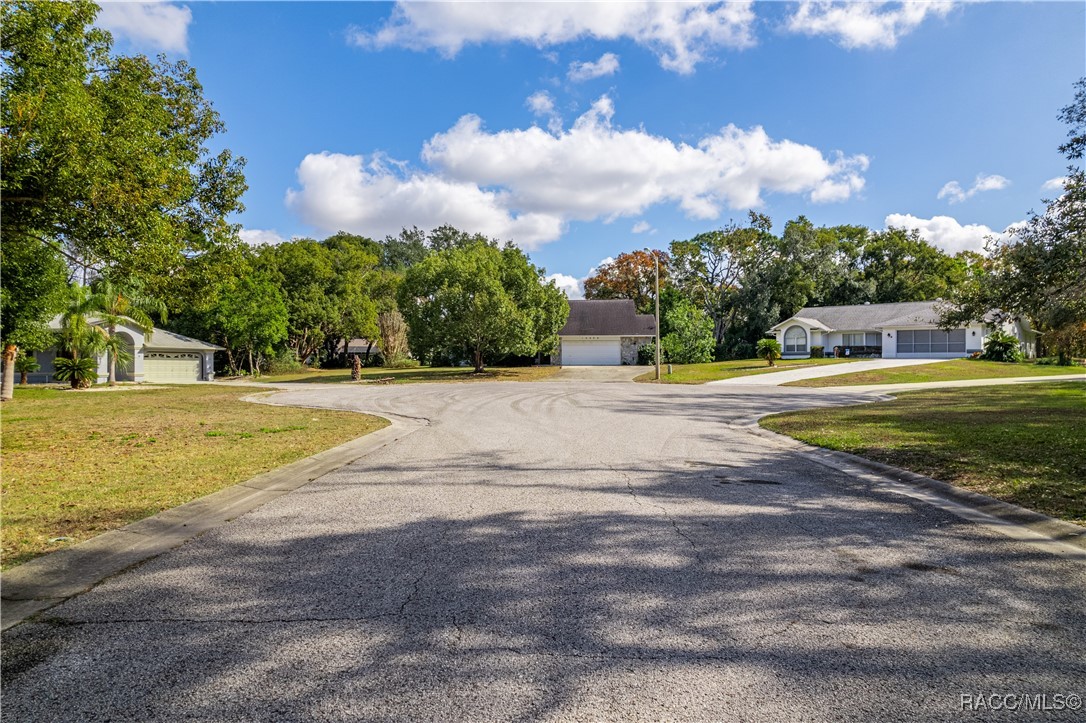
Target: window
{"type": "Point", "coordinates": [795, 340]}
{"type": "Point", "coordinates": [861, 339]}
{"type": "Point", "coordinates": [931, 341]}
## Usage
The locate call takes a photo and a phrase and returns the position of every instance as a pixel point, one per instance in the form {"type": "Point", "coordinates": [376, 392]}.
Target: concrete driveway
{"type": "Point", "coordinates": [598, 374]}
{"type": "Point", "coordinates": [573, 551]}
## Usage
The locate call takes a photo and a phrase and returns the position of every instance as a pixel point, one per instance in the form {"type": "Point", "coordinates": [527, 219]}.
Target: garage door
{"type": "Point", "coordinates": [594, 353]}
{"type": "Point", "coordinates": [171, 367]}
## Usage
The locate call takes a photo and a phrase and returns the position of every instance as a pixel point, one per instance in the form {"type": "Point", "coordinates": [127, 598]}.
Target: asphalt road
{"type": "Point", "coordinates": [568, 552]}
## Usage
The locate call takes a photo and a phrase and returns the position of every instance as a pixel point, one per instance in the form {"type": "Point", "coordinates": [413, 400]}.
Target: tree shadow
{"type": "Point", "coordinates": [709, 589]}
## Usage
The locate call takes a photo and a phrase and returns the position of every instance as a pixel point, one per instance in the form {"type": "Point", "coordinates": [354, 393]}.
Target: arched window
{"type": "Point", "coordinates": [795, 340]}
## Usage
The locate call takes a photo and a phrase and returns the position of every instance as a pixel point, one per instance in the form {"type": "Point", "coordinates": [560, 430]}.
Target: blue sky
{"type": "Point", "coordinates": [583, 130]}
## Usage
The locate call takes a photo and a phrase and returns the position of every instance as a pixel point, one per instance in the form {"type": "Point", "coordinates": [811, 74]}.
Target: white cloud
{"type": "Point", "coordinates": [596, 170]}
{"type": "Point", "coordinates": [260, 237]}
{"type": "Point", "coordinates": [1055, 184]}
{"type": "Point", "coordinates": [540, 103]}
{"type": "Point", "coordinates": [573, 286]}
{"type": "Point", "coordinates": [953, 190]}
{"type": "Point", "coordinates": [376, 198]}
{"type": "Point", "coordinates": [947, 233]}
{"type": "Point", "coordinates": [864, 24]}
{"type": "Point", "coordinates": [527, 184]}
{"type": "Point", "coordinates": [157, 25]}
{"type": "Point", "coordinates": [606, 65]}
{"type": "Point", "coordinates": [642, 227]}
{"type": "Point", "coordinates": [681, 34]}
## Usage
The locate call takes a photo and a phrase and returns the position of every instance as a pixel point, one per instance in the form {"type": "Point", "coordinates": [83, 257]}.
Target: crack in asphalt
{"type": "Point", "coordinates": [667, 515]}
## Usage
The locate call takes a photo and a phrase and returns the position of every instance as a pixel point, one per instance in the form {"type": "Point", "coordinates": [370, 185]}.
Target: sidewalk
{"type": "Point", "coordinates": [773, 379]}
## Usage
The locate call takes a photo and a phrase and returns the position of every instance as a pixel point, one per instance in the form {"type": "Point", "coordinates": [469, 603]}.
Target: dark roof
{"type": "Point", "coordinates": [613, 317]}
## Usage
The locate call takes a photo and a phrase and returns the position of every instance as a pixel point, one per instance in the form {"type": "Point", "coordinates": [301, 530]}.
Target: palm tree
{"type": "Point", "coordinates": [116, 305]}
{"type": "Point", "coordinates": [770, 350]}
{"type": "Point", "coordinates": [77, 337]}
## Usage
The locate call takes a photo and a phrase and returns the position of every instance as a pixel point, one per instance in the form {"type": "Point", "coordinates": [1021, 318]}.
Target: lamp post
{"type": "Point", "coordinates": [657, 259]}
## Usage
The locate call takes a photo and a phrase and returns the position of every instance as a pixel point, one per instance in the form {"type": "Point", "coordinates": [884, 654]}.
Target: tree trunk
{"type": "Point", "coordinates": [252, 370]}
{"type": "Point", "coordinates": [479, 361]}
{"type": "Point", "coordinates": [112, 359]}
{"type": "Point", "coordinates": [7, 389]}
{"type": "Point", "coordinates": [230, 358]}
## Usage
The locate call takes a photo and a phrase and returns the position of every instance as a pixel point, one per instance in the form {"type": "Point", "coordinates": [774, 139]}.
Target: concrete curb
{"type": "Point", "coordinates": [1062, 538]}
{"type": "Point", "coordinates": [50, 580]}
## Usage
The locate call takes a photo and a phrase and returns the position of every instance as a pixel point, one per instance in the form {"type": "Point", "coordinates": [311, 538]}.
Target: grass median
{"type": "Point", "coordinates": [416, 375]}
{"type": "Point", "coordinates": [954, 370]}
{"type": "Point", "coordinates": [79, 463]}
{"type": "Point", "coordinates": [1024, 444]}
{"type": "Point", "coordinates": [714, 371]}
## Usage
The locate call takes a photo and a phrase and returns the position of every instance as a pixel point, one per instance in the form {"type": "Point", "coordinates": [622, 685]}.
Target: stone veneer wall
{"type": "Point", "coordinates": [630, 345]}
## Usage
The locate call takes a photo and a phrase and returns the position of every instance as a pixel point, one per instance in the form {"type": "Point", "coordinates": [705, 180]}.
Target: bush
{"type": "Point", "coordinates": [1001, 347]}
{"type": "Point", "coordinates": [738, 350]}
{"type": "Point", "coordinates": [284, 362]}
{"type": "Point", "coordinates": [646, 355]}
{"type": "Point", "coordinates": [404, 363]}
{"type": "Point", "coordinates": [817, 352]}
{"type": "Point", "coordinates": [80, 372]}
{"type": "Point", "coordinates": [770, 350]}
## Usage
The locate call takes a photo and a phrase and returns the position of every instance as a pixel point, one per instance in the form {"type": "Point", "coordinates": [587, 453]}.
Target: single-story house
{"type": "Point", "coordinates": [907, 330]}
{"type": "Point", "coordinates": [364, 348]}
{"type": "Point", "coordinates": [161, 356]}
{"type": "Point", "coordinates": [603, 333]}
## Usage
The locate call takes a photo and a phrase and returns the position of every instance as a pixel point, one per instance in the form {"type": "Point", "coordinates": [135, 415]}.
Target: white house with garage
{"type": "Point", "coordinates": [603, 333]}
{"type": "Point", "coordinates": [161, 356]}
{"type": "Point", "coordinates": [907, 330]}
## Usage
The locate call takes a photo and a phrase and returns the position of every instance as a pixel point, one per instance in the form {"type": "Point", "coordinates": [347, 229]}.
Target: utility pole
{"type": "Point", "coordinates": [657, 258]}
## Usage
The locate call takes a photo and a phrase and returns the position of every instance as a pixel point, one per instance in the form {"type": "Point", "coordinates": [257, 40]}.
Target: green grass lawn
{"type": "Point", "coordinates": [954, 370]}
{"type": "Point", "coordinates": [1025, 444]}
{"type": "Point", "coordinates": [418, 374]}
{"type": "Point", "coordinates": [701, 373]}
{"type": "Point", "coordinates": [77, 464]}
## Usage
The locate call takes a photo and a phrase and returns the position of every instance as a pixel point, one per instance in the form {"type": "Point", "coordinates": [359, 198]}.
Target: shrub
{"type": "Point", "coordinates": [817, 352]}
{"type": "Point", "coordinates": [284, 362]}
{"type": "Point", "coordinates": [770, 350]}
{"type": "Point", "coordinates": [646, 355]}
{"type": "Point", "coordinates": [404, 363]}
{"type": "Point", "coordinates": [80, 372]}
{"type": "Point", "coordinates": [1001, 347]}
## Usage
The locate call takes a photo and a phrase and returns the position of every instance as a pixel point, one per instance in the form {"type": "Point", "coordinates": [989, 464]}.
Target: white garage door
{"type": "Point", "coordinates": [171, 367]}
{"type": "Point", "coordinates": [591, 353]}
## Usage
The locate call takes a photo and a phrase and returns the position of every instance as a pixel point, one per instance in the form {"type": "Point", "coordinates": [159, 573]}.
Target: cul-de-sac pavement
{"type": "Point", "coordinates": [568, 551]}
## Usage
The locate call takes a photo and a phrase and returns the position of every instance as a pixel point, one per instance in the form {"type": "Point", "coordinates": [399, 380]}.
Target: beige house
{"type": "Point", "coordinates": [161, 356]}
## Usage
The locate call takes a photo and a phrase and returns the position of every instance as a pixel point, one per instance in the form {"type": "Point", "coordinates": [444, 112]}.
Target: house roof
{"type": "Point", "coordinates": [158, 339]}
{"type": "Point", "coordinates": [360, 345]}
{"type": "Point", "coordinates": [861, 317]}
{"type": "Point", "coordinates": [162, 340]}
{"type": "Point", "coordinates": [611, 317]}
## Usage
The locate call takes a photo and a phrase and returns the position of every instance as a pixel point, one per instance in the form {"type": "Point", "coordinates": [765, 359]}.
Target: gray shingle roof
{"type": "Point", "coordinates": [158, 339]}
{"type": "Point", "coordinates": [861, 317]}
{"type": "Point", "coordinates": [611, 317]}
{"type": "Point", "coordinates": [162, 340]}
